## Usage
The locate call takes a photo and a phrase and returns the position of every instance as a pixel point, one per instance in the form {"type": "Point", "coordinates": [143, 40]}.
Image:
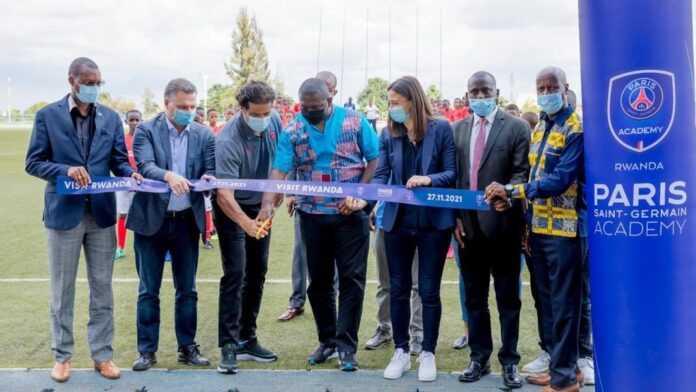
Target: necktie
{"type": "Point", "coordinates": [479, 146]}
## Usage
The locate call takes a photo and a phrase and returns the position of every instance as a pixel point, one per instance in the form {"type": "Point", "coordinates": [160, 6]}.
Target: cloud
{"type": "Point", "coordinates": [143, 44]}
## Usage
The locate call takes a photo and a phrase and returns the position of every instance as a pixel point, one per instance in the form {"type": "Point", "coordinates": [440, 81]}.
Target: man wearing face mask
{"type": "Point", "coordinates": [327, 144]}
{"type": "Point", "coordinates": [78, 138]}
{"type": "Point", "coordinates": [171, 148]}
{"type": "Point", "coordinates": [554, 193]}
{"type": "Point", "coordinates": [244, 150]}
{"type": "Point", "coordinates": [492, 146]}
{"type": "Point", "coordinates": [299, 259]}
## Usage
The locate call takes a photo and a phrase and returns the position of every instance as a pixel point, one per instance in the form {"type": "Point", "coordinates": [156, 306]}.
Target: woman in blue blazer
{"type": "Point", "coordinates": [416, 150]}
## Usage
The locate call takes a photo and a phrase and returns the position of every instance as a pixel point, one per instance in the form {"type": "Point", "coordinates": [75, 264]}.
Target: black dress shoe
{"type": "Point", "coordinates": [511, 377]}
{"type": "Point", "coordinates": [474, 372]}
{"type": "Point", "coordinates": [191, 355]}
{"type": "Point", "coordinates": [144, 362]}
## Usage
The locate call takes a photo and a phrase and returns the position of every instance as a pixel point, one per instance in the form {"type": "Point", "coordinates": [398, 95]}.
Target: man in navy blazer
{"type": "Point", "coordinates": [171, 148]}
{"type": "Point", "coordinates": [78, 138]}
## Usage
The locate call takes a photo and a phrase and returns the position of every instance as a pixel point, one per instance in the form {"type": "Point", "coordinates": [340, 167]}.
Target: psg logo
{"type": "Point", "coordinates": [640, 108]}
{"type": "Point", "coordinates": [641, 98]}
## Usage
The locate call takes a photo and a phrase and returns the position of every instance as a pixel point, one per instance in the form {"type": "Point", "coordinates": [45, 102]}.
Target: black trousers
{"type": "Point", "coordinates": [244, 266]}
{"type": "Point", "coordinates": [586, 349]}
{"type": "Point", "coordinates": [481, 258]}
{"type": "Point", "coordinates": [544, 342]}
{"type": "Point", "coordinates": [558, 276]}
{"type": "Point", "coordinates": [178, 235]}
{"type": "Point", "coordinates": [336, 242]}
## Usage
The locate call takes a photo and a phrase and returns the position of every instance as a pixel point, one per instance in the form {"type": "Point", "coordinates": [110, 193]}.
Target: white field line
{"type": "Point", "coordinates": [199, 280]}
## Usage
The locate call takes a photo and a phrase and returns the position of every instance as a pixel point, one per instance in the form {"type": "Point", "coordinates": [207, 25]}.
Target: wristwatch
{"type": "Point", "coordinates": [508, 190]}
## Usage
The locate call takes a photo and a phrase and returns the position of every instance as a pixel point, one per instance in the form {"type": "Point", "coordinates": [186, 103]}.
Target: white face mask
{"type": "Point", "coordinates": [257, 124]}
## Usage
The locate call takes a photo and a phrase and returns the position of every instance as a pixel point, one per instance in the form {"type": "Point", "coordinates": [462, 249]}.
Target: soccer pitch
{"type": "Point", "coordinates": [24, 291]}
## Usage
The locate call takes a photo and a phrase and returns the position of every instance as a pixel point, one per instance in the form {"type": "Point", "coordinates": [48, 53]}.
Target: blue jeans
{"type": "Point", "coordinates": [180, 237]}
{"type": "Point", "coordinates": [401, 245]}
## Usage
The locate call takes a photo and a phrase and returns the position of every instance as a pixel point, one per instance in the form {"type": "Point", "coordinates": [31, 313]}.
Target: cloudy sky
{"type": "Point", "coordinates": [146, 43]}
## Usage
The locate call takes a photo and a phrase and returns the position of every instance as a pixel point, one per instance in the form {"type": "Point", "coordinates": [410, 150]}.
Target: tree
{"type": "Point", "coordinates": [530, 105]}
{"type": "Point", "coordinates": [150, 106]}
{"type": "Point", "coordinates": [220, 97]}
{"type": "Point", "coordinates": [376, 90]}
{"type": "Point", "coordinates": [503, 102]}
{"type": "Point", "coordinates": [249, 60]}
{"type": "Point", "coordinates": [118, 104]}
{"type": "Point", "coordinates": [433, 92]}
{"type": "Point", "coordinates": [31, 110]}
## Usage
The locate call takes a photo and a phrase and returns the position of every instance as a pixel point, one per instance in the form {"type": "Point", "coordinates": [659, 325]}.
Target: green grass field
{"type": "Point", "coordinates": [24, 324]}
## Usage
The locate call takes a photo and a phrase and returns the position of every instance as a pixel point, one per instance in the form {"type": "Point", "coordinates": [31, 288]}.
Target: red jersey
{"type": "Point", "coordinates": [129, 147]}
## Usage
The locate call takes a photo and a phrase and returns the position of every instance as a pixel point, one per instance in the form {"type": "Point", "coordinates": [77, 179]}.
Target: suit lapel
{"type": "Point", "coordinates": [496, 127]}
{"type": "Point", "coordinates": [398, 145]}
{"type": "Point", "coordinates": [67, 124]}
{"type": "Point", "coordinates": [428, 144]}
{"type": "Point", "coordinates": [98, 127]}
{"type": "Point", "coordinates": [192, 146]}
{"type": "Point", "coordinates": [466, 147]}
{"type": "Point", "coordinates": [163, 130]}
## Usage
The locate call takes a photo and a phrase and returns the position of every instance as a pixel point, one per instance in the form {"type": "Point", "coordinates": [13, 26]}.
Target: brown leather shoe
{"type": "Point", "coordinates": [61, 371]}
{"type": "Point", "coordinates": [108, 369]}
{"type": "Point", "coordinates": [542, 379]}
{"type": "Point", "coordinates": [290, 314]}
{"type": "Point", "coordinates": [570, 388]}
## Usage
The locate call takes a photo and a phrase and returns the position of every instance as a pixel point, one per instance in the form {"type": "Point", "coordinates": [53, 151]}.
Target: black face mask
{"type": "Point", "coordinates": [314, 117]}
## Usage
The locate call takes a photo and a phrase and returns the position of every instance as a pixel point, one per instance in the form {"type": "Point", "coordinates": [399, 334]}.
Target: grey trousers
{"type": "Point", "coordinates": [383, 289]}
{"type": "Point", "coordinates": [64, 248]}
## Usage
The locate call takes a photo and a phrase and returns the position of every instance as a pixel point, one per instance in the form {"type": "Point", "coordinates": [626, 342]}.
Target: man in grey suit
{"type": "Point", "coordinates": [174, 149]}
{"type": "Point", "coordinates": [492, 146]}
{"type": "Point", "coordinates": [78, 138]}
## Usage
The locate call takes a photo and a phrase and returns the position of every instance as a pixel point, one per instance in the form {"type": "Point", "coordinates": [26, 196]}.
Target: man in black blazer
{"type": "Point", "coordinates": [171, 148]}
{"type": "Point", "coordinates": [491, 146]}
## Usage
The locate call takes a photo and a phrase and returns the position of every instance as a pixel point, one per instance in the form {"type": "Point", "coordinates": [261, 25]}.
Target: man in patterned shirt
{"type": "Point", "coordinates": [326, 143]}
{"type": "Point", "coordinates": [556, 206]}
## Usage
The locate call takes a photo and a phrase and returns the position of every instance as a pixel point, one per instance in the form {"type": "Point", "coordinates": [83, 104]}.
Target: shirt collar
{"type": "Point", "coordinates": [490, 117]}
{"type": "Point", "coordinates": [172, 129]}
{"type": "Point", "coordinates": [72, 105]}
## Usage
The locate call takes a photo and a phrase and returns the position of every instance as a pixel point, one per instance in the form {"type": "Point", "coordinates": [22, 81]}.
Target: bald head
{"type": "Point", "coordinates": [330, 79]}
{"type": "Point", "coordinates": [553, 72]}
{"type": "Point", "coordinates": [482, 85]}
{"type": "Point", "coordinates": [314, 87]}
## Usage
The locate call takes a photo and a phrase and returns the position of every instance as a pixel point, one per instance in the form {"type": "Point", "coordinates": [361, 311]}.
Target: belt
{"type": "Point", "coordinates": [178, 214]}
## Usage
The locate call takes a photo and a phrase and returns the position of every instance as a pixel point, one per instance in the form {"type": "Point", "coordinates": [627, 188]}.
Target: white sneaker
{"type": "Point", "coordinates": [586, 366]}
{"type": "Point", "coordinates": [539, 365]}
{"type": "Point", "coordinates": [400, 363]}
{"type": "Point", "coordinates": [427, 371]}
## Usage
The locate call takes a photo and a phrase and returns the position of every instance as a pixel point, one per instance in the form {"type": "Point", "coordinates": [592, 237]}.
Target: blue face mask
{"type": "Point", "coordinates": [398, 114]}
{"type": "Point", "coordinates": [183, 117]}
{"type": "Point", "coordinates": [550, 103]}
{"type": "Point", "coordinates": [88, 94]}
{"type": "Point", "coordinates": [482, 107]}
{"type": "Point", "coordinates": [258, 124]}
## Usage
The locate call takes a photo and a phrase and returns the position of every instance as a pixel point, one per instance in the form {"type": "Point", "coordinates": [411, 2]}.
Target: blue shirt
{"type": "Point", "coordinates": [178, 141]}
{"type": "Point", "coordinates": [336, 154]}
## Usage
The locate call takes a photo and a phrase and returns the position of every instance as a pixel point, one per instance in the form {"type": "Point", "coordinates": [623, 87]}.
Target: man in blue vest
{"type": "Point", "coordinates": [326, 143]}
